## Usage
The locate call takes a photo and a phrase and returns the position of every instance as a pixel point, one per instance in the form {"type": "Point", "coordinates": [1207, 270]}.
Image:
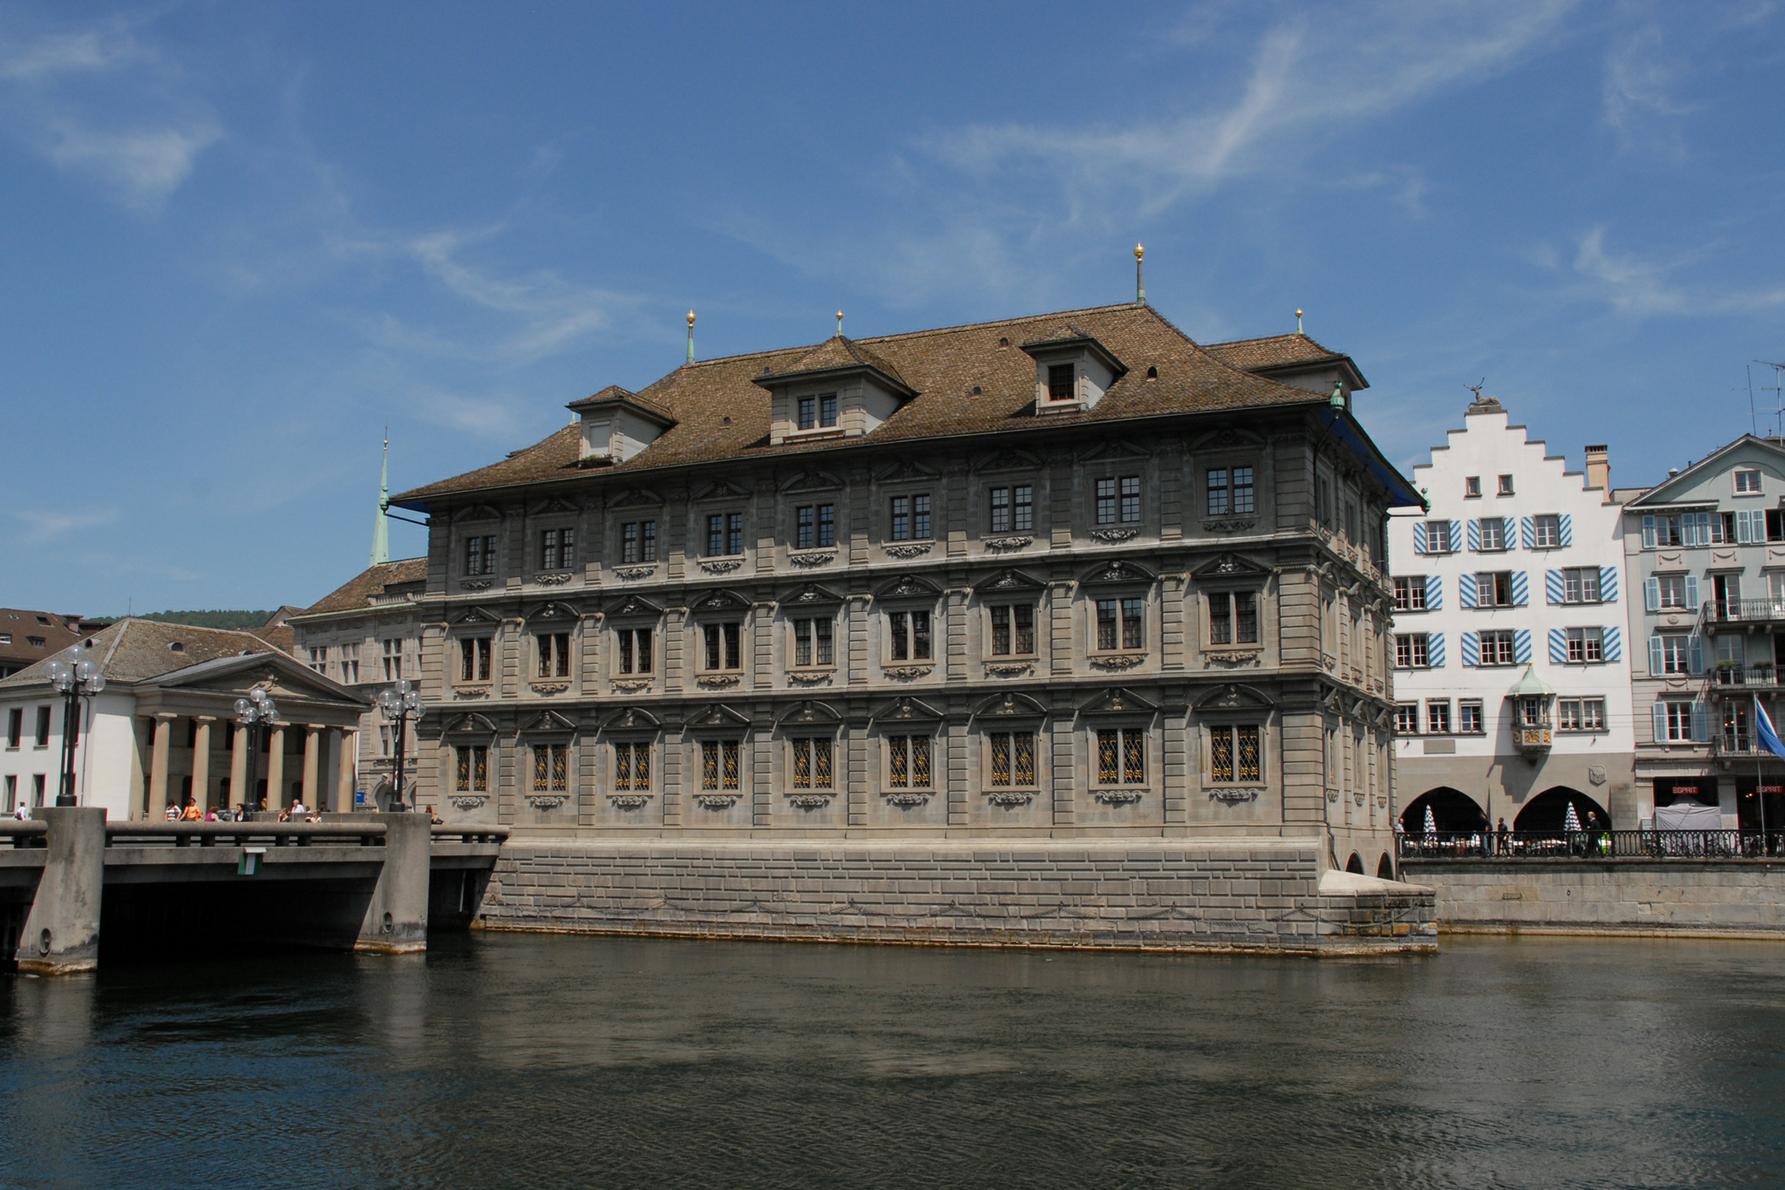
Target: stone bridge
{"type": "Point", "coordinates": [368, 882]}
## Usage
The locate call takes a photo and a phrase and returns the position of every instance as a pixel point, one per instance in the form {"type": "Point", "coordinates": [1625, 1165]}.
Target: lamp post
{"type": "Point", "coordinates": [256, 712]}
{"type": "Point", "coordinates": [75, 676]}
{"type": "Point", "coordinates": [400, 703]}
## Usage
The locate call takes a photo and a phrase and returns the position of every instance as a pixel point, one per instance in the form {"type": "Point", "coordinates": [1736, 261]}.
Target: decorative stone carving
{"type": "Point", "coordinates": [1009, 669]}
{"type": "Point", "coordinates": [634, 573]}
{"type": "Point", "coordinates": [556, 579]}
{"type": "Point", "coordinates": [809, 677]}
{"type": "Point", "coordinates": [631, 685]}
{"type": "Point", "coordinates": [546, 801]}
{"type": "Point", "coordinates": [715, 801]}
{"type": "Point", "coordinates": [1002, 544]}
{"type": "Point", "coordinates": [1010, 797]}
{"type": "Point", "coordinates": [1116, 797]}
{"type": "Point", "coordinates": [906, 797]}
{"type": "Point", "coordinates": [908, 549]}
{"type": "Point", "coordinates": [1113, 535]}
{"type": "Point", "coordinates": [1235, 795]}
{"type": "Point", "coordinates": [1235, 658]}
{"type": "Point", "coordinates": [549, 687]}
{"type": "Point", "coordinates": [721, 565]}
{"type": "Point", "coordinates": [467, 801]}
{"type": "Point", "coordinates": [1227, 525]}
{"type": "Point", "coordinates": [717, 681]}
{"type": "Point", "coordinates": [471, 692]}
{"type": "Point", "coordinates": [809, 801]}
{"type": "Point", "coordinates": [475, 584]}
{"type": "Point", "coordinates": [906, 673]}
{"type": "Point", "coordinates": [817, 558]}
{"type": "Point", "coordinates": [1357, 799]}
{"type": "Point", "coordinates": [1117, 661]}
{"type": "Point", "coordinates": [1382, 800]}
{"type": "Point", "coordinates": [629, 801]}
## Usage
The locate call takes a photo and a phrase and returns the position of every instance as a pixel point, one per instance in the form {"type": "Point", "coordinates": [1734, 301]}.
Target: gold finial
{"type": "Point", "coordinates": [1140, 251]}
{"type": "Point", "coordinates": [1298, 320]}
{"type": "Point", "coordinates": [839, 324]}
{"type": "Point", "coordinates": [691, 318]}
{"type": "Point", "coordinates": [690, 335]}
{"type": "Point", "coordinates": [1140, 279]}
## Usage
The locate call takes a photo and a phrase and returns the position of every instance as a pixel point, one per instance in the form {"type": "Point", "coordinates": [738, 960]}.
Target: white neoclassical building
{"type": "Point", "coordinates": [1512, 675]}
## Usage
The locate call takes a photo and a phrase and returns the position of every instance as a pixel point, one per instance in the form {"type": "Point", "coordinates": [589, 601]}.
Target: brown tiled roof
{"type": "Point", "coordinates": [1272, 351]}
{"type": "Point", "coordinates": [56, 630]}
{"type": "Point", "coordinates": [970, 380]}
{"type": "Point", "coordinates": [141, 650]}
{"type": "Point", "coordinates": [835, 354]}
{"type": "Point", "coordinates": [378, 579]}
{"type": "Point", "coordinates": [613, 394]}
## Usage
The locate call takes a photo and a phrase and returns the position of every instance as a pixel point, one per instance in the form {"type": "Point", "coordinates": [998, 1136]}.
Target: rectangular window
{"type": "Point", "coordinates": [634, 650]}
{"type": "Point", "coordinates": [1412, 650]}
{"type": "Point", "coordinates": [15, 726]}
{"type": "Point", "coordinates": [815, 526]}
{"type": "Point", "coordinates": [812, 643]}
{"type": "Point", "coordinates": [811, 763]}
{"type": "Point", "coordinates": [1586, 645]}
{"type": "Point", "coordinates": [1497, 645]}
{"type": "Point", "coordinates": [632, 766]}
{"type": "Point", "coordinates": [1121, 756]}
{"type": "Point", "coordinates": [808, 413]}
{"type": "Point", "coordinates": [1676, 652]}
{"type": "Point", "coordinates": [1119, 624]}
{"type": "Point", "coordinates": [723, 645]}
{"type": "Point", "coordinates": [1678, 723]}
{"type": "Point", "coordinates": [551, 768]}
{"type": "Point", "coordinates": [553, 649]}
{"type": "Point", "coordinates": [1492, 530]}
{"type": "Point", "coordinates": [1747, 483]}
{"type": "Point", "coordinates": [1012, 508]}
{"type": "Point", "coordinates": [638, 542]}
{"type": "Point", "coordinates": [908, 635]}
{"type": "Point", "coordinates": [350, 663]}
{"type": "Point", "coordinates": [1580, 584]}
{"type": "Point", "coordinates": [910, 517]}
{"type": "Point", "coordinates": [1438, 538]}
{"type": "Point", "coordinates": [319, 658]}
{"type": "Point", "coordinates": [719, 765]}
{"type": "Point", "coordinates": [480, 555]}
{"type": "Point", "coordinates": [1012, 759]}
{"type": "Point", "coordinates": [1118, 500]}
{"type": "Point", "coordinates": [1504, 487]}
{"type": "Point", "coordinates": [472, 765]}
{"type": "Point", "coordinates": [725, 534]}
{"type": "Point", "coordinates": [1062, 382]}
{"type": "Point", "coordinates": [1233, 618]}
{"type": "Point", "coordinates": [1469, 717]}
{"type": "Point", "coordinates": [1580, 714]}
{"type": "Point", "coordinates": [474, 659]}
{"type": "Point", "coordinates": [1410, 593]}
{"type": "Point", "coordinates": [12, 791]}
{"type": "Point", "coordinates": [1493, 588]}
{"type": "Point", "coordinates": [1437, 716]}
{"type": "Point", "coordinates": [1407, 718]}
{"type": "Point", "coordinates": [908, 761]}
{"type": "Point", "coordinates": [393, 658]}
{"type": "Point", "coordinates": [1670, 591]}
{"type": "Point", "coordinates": [557, 549]}
{"type": "Point", "coordinates": [1546, 531]}
{"type": "Point", "coordinates": [1013, 629]}
{"type": "Point", "coordinates": [1735, 727]}
{"type": "Point", "coordinates": [827, 410]}
{"type": "Point", "coordinates": [1234, 753]}
{"type": "Point", "coordinates": [1230, 490]}
{"type": "Point", "coordinates": [1471, 486]}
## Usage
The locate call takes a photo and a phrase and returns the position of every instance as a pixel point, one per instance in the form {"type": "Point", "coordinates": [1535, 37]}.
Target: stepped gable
{"type": "Point", "coordinates": [972, 379]}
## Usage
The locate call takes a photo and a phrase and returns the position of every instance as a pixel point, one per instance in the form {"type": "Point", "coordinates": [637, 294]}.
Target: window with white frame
{"type": "Point", "coordinates": [1671, 591]}
{"type": "Point", "coordinates": [909, 517]}
{"type": "Point", "coordinates": [1676, 722]}
{"type": "Point", "coordinates": [1121, 624]}
{"type": "Point", "coordinates": [1586, 645]}
{"type": "Point", "coordinates": [1410, 592]}
{"type": "Point", "coordinates": [908, 634]}
{"type": "Point", "coordinates": [1676, 652]}
{"type": "Point", "coordinates": [908, 762]}
{"type": "Point", "coordinates": [1011, 759]}
{"type": "Point", "coordinates": [1498, 646]}
{"type": "Point", "coordinates": [1235, 752]}
{"type": "Point", "coordinates": [1747, 482]}
{"type": "Point", "coordinates": [1121, 756]}
{"type": "Point", "coordinates": [638, 541]}
{"type": "Point", "coordinates": [1230, 490]}
{"type": "Point", "coordinates": [1012, 629]}
{"type": "Point", "coordinates": [1493, 588]}
{"type": "Point", "coordinates": [1469, 717]}
{"type": "Point", "coordinates": [1407, 718]}
{"type": "Point", "coordinates": [1233, 617]}
{"type": "Point", "coordinates": [1438, 538]}
{"type": "Point", "coordinates": [811, 762]}
{"type": "Point", "coordinates": [1580, 714]}
{"type": "Point", "coordinates": [632, 766]}
{"type": "Point", "coordinates": [552, 649]}
{"type": "Point", "coordinates": [812, 641]}
{"type": "Point", "coordinates": [1580, 584]}
{"type": "Point", "coordinates": [720, 763]}
{"type": "Point", "coordinates": [1011, 508]}
{"type": "Point", "coordinates": [474, 659]}
{"type": "Point", "coordinates": [1493, 533]}
{"type": "Point", "coordinates": [1546, 531]}
{"type": "Point", "coordinates": [557, 548]}
{"type": "Point", "coordinates": [1412, 650]}
{"type": "Point", "coordinates": [1437, 716]}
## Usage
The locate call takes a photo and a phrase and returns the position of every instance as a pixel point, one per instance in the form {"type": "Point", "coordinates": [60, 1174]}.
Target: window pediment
{"type": "Point", "coordinates": [1009, 705]}
{"type": "Point", "coordinates": [812, 481]}
{"type": "Point", "coordinates": [631, 719]}
{"type": "Point", "coordinates": [721, 491]}
{"type": "Point", "coordinates": [554, 613]}
{"type": "Point", "coordinates": [636, 498]}
{"type": "Point", "coordinates": [908, 586]}
{"type": "Point", "coordinates": [719, 602]}
{"type": "Point", "coordinates": [548, 723]}
{"type": "Point", "coordinates": [905, 710]}
{"type": "Point", "coordinates": [1114, 451]}
{"type": "Point", "coordinates": [1008, 460]}
{"type": "Point", "coordinates": [808, 711]}
{"type": "Point", "coordinates": [634, 607]}
{"type": "Point", "coordinates": [1009, 582]}
{"type": "Point", "coordinates": [1230, 567]}
{"type": "Point", "coordinates": [810, 595]}
{"type": "Point", "coordinates": [718, 715]}
{"type": "Point", "coordinates": [471, 725]}
{"type": "Point", "coordinates": [478, 512]}
{"type": "Point", "coordinates": [556, 506]}
{"type": "Point", "coordinates": [1226, 439]}
{"type": "Point", "coordinates": [475, 617]}
{"type": "Point", "coordinates": [1117, 573]}
{"type": "Point", "coordinates": [1117, 701]}
{"type": "Point", "coordinates": [906, 471]}
{"type": "Point", "coordinates": [1233, 697]}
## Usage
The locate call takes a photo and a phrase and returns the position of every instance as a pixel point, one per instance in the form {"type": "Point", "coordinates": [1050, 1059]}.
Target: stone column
{"type": "Point", "coordinates": [158, 766]}
{"type": "Point", "coordinates": [201, 759]}
{"type": "Point", "coordinates": [61, 930]}
{"type": "Point", "coordinates": [344, 771]}
{"type": "Point", "coordinates": [275, 767]}
{"type": "Point", "coordinates": [238, 768]}
{"type": "Point", "coordinates": [312, 742]}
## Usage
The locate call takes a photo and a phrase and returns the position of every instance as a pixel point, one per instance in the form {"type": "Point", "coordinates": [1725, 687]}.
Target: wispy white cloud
{"type": "Point", "coordinates": [1633, 285]}
{"type": "Point", "coordinates": [41, 525]}
{"type": "Point", "coordinates": [34, 59]}
{"type": "Point", "coordinates": [493, 415]}
{"type": "Point", "coordinates": [143, 166]}
{"type": "Point", "coordinates": [1642, 76]}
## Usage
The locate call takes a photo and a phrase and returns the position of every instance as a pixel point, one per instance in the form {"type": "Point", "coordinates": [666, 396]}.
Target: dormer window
{"type": "Point", "coordinates": [614, 425]}
{"type": "Point", "coordinates": [1072, 370]}
{"type": "Point", "coordinates": [818, 412]}
{"type": "Point", "coordinates": [1062, 382]}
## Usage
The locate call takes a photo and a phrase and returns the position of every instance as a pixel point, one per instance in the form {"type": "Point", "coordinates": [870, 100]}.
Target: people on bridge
{"type": "Point", "coordinates": [192, 813]}
{"type": "Point", "coordinates": [1501, 844]}
{"type": "Point", "coordinates": [434, 818]}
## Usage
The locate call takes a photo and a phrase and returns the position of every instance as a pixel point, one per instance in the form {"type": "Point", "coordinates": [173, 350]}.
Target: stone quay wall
{"type": "Point", "coordinates": [1676, 896]}
{"type": "Point", "coordinates": [1252, 895]}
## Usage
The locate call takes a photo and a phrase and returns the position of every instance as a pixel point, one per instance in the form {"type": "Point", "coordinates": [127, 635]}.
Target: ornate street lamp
{"type": "Point", "coordinates": [256, 713]}
{"type": "Point", "coordinates": [400, 703]}
{"type": "Point", "coordinates": [75, 676]}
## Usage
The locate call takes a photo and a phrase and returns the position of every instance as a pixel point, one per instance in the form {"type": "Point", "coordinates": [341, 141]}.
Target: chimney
{"type": "Point", "coordinates": [1599, 467]}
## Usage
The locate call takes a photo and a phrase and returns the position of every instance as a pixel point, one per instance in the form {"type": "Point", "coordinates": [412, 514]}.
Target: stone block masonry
{"type": "Point", "coordinates": [1177, 895]}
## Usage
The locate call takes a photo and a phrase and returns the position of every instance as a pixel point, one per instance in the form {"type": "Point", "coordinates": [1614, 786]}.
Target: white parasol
{"type": "Point", "coordinates": [1571, 820]}
{"type": "Point", "coordinates": [1431, 822]}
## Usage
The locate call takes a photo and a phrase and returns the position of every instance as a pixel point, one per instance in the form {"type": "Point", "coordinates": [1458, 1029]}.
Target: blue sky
{"type": "Point", "coordinates": [240, 239]}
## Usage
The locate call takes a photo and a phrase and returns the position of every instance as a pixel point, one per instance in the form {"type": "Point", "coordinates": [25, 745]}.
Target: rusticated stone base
{"type": "Point", "coordinates": [1266, 895]}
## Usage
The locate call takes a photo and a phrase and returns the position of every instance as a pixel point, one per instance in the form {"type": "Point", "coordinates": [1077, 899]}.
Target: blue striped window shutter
{"type": "Point", "coordinates": [1466, 591]}
{"type": "Point", "coordinates": [1553, 591]}
{"type": "Point", "coordinates": [1558, 646]}
{"type": "Point", "coordinates": [1474, 533]}
{"type": "Point", "coordinates": [1527, 534]}
{"type": "Point", "coordinates": [1608, 584]}
{"type": "Point", "coordinates": [1435, 650]}
{"type": "Point", "coordinates": [1521, 646]}
{"type": "Point", "coordinates": [1434, 592]}
{"type": "Point", "coordinates": [1613, 641]}
{"type": "Point", "coordinates": [1419, 537]}
{"type": "Point", "coordinates": [1456, 534]}
{"type": "Point", "coordinates": [1565, 531]}
{"type": "Point", "coordinates": [1509, 531]}
{"type": "Point", "coordinates": [1521, 589]}
{"type": "Point", "coordinates": [1471, 648]}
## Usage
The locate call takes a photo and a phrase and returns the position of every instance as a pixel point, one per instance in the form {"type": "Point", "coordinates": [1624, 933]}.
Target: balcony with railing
{"type": "Point", "coordinates": [1741, 680]}
{"type": "Point", "coordinates": [1744, 613]}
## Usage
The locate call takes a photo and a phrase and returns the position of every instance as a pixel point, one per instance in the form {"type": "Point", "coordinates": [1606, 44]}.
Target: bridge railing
{"type": "Point", "coordinates": [463, 833]}
{"type": "Point", "coordinates": [14, 833]}
{"type": "Point", "coordinates": [237, 834]}
{"type": "Point", "coordinates": [1621, 844]}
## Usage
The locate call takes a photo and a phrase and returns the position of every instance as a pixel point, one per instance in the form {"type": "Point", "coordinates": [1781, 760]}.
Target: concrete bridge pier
{"type": "Point", "coordinates": [61, 931]}
{"type": "Point", "coordinates": [396, 920]}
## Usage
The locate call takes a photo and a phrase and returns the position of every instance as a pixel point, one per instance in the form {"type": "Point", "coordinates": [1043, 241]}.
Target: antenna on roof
{"type": "Point", "coordinates": [839, 324]}
{"type": "Point", "coordinates": [690, 336]}
{"type": "Point", "coordinates": [1140, 280]}
{"type": "Point", "coordinates": [1298, 320]}
{"type": "Point", "coordinates": [1777, 387]}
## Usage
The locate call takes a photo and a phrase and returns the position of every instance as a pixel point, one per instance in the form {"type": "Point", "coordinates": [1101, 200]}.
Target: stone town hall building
{"type": "Point", "coordinates": [1068, 575]}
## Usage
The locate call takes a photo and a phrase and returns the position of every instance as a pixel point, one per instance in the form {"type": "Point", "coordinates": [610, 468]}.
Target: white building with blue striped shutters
{"type": "Point", "coordinates": [1512, 681]}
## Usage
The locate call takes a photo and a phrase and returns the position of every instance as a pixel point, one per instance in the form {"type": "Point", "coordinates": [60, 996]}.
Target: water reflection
{"type": "Point", "coordinates": [507, 1058]}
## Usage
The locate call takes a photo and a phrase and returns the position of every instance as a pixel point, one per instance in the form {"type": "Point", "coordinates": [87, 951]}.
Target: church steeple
{"type": "Point", "coordinates": [381, 527]}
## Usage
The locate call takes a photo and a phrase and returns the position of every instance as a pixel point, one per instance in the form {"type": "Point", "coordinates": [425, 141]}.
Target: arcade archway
{"type": "Point", "coordinates": [1548, 811]}
{"type": "Point", "coordinates": [1453, 812]}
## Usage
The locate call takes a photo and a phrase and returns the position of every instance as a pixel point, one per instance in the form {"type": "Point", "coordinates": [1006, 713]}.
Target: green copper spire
{"type": "Point", "coordinates": [381, 529]}
{"type": "Point", "coordinates": [690, 336]}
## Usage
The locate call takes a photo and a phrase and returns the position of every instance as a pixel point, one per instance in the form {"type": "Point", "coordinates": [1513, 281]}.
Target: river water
{"type": "Point", "coordinates": [503, 1059]}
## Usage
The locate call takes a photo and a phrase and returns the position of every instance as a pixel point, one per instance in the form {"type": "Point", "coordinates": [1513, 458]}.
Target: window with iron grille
{"type": "Point", "coordinates": [1234, 752]}
{"type": "Point", "coordinates": [811, 762]}
{"type": "Point", "coordinates": [908, 635]}
{"type": "Point", "coordinates": [471, 768]}
{"type": "Point", "coordinates": [632, 766]}
{"type": "Point", "coordinates": [719, 765]}
{"type": "Point", "coordinates": [1012, 760]}
{"type": "Point", "coordinates": [908, 761]}
{"type": "Point", "coordinates": [1013, 629]}
{"type": "Point", "coordinates": [1120, 624]}
{"type": "Point", "coordinates": [1121, 756]}
{"type": "Point", "coordinates": [1233, 617]}
{"type": "Point", "coordinates": [551, 768]}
